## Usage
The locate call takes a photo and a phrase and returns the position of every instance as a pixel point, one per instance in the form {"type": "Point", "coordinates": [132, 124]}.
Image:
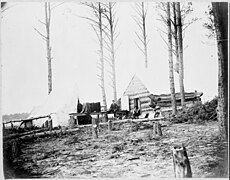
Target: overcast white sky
{"type": "Point", "coordinates": [74, 46]}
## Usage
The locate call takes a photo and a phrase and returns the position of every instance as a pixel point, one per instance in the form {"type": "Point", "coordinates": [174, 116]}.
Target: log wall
{"type": "Point", "coordinates": [136, 89]}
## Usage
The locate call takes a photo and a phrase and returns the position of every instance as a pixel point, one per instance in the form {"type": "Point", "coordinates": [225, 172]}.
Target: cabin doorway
{"type": "Point", "coordinates": [137, 103]}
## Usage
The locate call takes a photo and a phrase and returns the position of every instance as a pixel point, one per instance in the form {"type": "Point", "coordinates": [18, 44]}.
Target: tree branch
{"type": "Point", "coordinates": [139, 47]}
{"type": "Point", "coordinates": [40, 33]}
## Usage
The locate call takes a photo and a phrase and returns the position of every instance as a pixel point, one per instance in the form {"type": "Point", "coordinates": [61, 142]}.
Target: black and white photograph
{"type": "Point", "coordinates": [120, 89]}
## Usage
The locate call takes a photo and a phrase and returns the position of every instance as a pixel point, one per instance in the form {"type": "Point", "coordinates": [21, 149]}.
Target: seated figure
{"type": "Point", "coordinates": [114, 107]}
{"type": "Point", "coordinates": [136, 112]}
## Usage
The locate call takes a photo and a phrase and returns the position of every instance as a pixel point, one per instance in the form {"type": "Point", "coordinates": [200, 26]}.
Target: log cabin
{"type": "Point", "coordinates": [143, 91]}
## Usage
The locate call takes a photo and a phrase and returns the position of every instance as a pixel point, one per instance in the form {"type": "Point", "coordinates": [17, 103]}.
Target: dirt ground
{"type": "Point", "coordinates": [128, 151]}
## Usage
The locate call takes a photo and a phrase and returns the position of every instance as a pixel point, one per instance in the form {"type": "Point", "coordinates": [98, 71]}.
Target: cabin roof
{"type": "Point", "coordinates": [152, 81]}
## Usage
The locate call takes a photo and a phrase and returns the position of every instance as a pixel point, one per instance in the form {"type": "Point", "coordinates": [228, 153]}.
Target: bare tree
{"type": "Point", "coordinates": [220, 13]}
{"type": "Point", "coordinates": [180, 24]}
{"type": "Point", "coordinates": [175, 35]}
{"type": "Point", "coordinates": [180, 51]}
{"type": "Point", "coordinates": [166, 17]}
{"type": "Point", "coordinates": [99, 27]}
{"type": "Point", "coordinates": [3, 4]}
{"type": "Point", "coordinates": [46, 37]}
{"type": "Point", "coordinates": [111, 35]}
{"type": "Point", "coordinates": [140, 19]}
{"type": "Point", "coordinates": [170, 48]}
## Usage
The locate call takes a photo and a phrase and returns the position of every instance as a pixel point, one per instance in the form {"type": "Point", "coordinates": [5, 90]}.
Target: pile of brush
{"type": "Point", "coordinates": [197, 113]}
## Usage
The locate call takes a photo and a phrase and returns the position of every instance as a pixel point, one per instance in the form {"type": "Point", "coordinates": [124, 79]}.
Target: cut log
{"type": "Point", "coordinates": [181, 163]}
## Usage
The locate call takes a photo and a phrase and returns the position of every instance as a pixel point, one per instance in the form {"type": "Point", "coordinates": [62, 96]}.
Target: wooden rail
{"type": "Point", "coordinates": [41, 132]}
{"type": "Point", "coordinates": [22, 120]}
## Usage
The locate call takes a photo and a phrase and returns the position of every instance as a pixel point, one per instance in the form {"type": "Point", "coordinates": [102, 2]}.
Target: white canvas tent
{"type": "Point", "coordinates": [58, 105]}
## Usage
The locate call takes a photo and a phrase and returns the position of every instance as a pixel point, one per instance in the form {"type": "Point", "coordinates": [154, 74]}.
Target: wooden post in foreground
{"type": "Point", "coordinates": [71, 122]}
{"type": "Point", "coordinates": [181, 163]}
{"type": "Point", "coordinates": [109, 125]}
{"type": "Point", "coordinates": [94, 128]}
{"type": "Point", "coordinates": [157, 129]}
{"type": "Point", "coordinates": [106, 117]}
{"type": "Point", "coordinates": [98, 122]}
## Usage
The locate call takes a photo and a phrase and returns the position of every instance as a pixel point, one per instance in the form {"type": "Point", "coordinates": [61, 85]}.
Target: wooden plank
{"type": "Point", "coordinates": [77, 114]}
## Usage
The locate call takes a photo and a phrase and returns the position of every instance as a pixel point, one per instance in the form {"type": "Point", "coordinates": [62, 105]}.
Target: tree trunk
{"type": "Point", "coordinates": [111, 23]}
{"type": "Point", "coordinates": [181, 163]}
{"type": "Point", "coordinates": [49, 58]}
{"type": "Point", "coordinates": [140, 19]}
{"type": "Point", "coordinates": [144, 34]}
{"type": "Point", "coordinates": [180, 46]}
{"type": "Point", "coordinates": [102, 58]}
{"type": "Point", "coordinates": [176, 67]}
{"type": "Point", "coordinates": [2, 5]}
{"type": "Point", "coordinates": [171, 74]}
{"type": "Point", "coordinates": [220, 12]}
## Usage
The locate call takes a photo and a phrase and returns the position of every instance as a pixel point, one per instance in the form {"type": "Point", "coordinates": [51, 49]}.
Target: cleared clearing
{"type": "Point", "coordinates": [128, 151]}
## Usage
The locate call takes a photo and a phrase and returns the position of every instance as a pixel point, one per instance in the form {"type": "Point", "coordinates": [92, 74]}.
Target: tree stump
{"type": "Point", "coordinates": [109, 125]}
{"type": "Point", "coordinates": [181, 163]}
{"type": "Point", "coordinates": [157, 129]}
{"type": "Point", "coordinates": [71, 122]}
{"type": "Point", "coordinates": [50, 124]}
{"type": "Point", "coordinates": [94, 128]}
{"type": "Point", "coordinates": [46, 124]}
{"type": "Point", "coordinates": [105, 117]}
{"type": "Point", "coordinates": [98, 123]}
{"type": "Point", "coordinates": [130, 127]}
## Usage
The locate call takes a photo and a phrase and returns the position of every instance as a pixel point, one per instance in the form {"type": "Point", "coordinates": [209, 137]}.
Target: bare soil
{"type": "Point", "coordinates": [128, 151]}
